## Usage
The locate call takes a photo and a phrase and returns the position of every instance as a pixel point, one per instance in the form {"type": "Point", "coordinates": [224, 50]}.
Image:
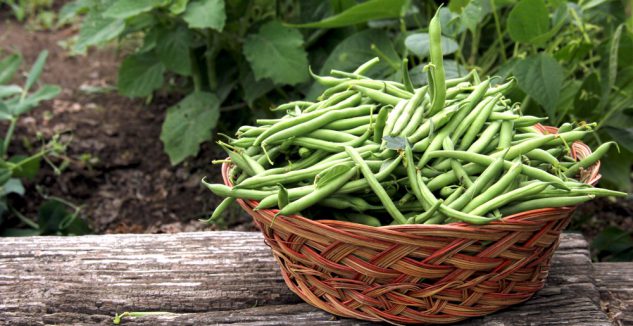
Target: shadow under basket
{"type": "Point", "coordinates": [416, 274]}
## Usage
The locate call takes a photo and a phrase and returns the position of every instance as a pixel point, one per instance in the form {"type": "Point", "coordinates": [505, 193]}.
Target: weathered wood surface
{"type": "Point", "coordinates": [615, 282]}
{"type": "Point", "coordinates": [222, 278]}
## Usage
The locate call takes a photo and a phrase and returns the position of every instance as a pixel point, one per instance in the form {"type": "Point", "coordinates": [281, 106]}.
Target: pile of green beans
{"type": "Point", "coordinates": [382, 152]}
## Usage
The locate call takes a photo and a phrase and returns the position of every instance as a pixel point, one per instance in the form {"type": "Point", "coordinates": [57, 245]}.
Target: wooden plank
{"type": "Point", "coordinates": [217, 278]}
{"type": "Point", "coordinates": [615, 282]}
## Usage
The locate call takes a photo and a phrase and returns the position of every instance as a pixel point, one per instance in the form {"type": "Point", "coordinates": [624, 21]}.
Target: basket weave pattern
{"type": "Point", "coordinates": [416, 273]}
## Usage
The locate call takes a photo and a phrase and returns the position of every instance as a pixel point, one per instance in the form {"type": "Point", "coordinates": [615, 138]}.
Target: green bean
{"type": "Point", "coordinates": [410, 107]}
{"type": "Point", "coordinates": [484, 160]}
{"type": "Point", "coordinates": [457, 167]}
{"type": "Point", "coordinates": [393, 117]}
{"type": "Point", "coordinates": [324, 80]}
{"type": "Point", "coordinates": [465, 123]}
{"type": "Point", "coordinates": [318, 194]}
{"type": "Point", "coordinates": [366, 66]}
{"type": "Point", "coordinates": [438, 140]}
{"type": "Point", "coordinates": [413, 180]}
{"type": "Point", "coordinates": [438, 79]}
{"type": "Point", "coordinates": [478, 124]}
{"type": "Point", "coordinates": [589, 160]}
{"type": "Point", "coordinates": [501, 88]}
{"type": "Point", "coordinates": [485, 138]}
{"type": "Point", "coordinates": [363, 219]}
{"type": "Point", "coordinates": [349, 123]}
{"type": "Point", "coordinates": [415, 122]}
{"type": "Point", "coordinates": [496, 189]}
{"type": "Point", "coordinates": [543, 156]}
{"type": "Point", "coordinates": [316, 123]}
{"type": "Point", "coordinates": [347, 202]}
{"type": "Point", "coordinates": [422, 218]}
{"type": "Point", "coordinates": [490, 172]}
{"type": "Point", "coordinates": [506, 135]}
{"type": "Point", "coordinates": [375, 186]}
{"type": "Point", "coordinates": [333, 100]}
{"type": "Point", "coordinates": [349, 102]}
{"type": "Point", "coordinates": [526, 146]}
{"type": "Point", "coordinates": [378, 96]}
{"type": "Point", "coordinates": [434, 122]}
{"type": "Point", "coordinates": [456, 194]}
{"type": "Point", "coordinates": [379, 127]}
{"type": "Point", "coordinates": [226, 191]}
{"type": "Point", "coordinates": [332, 146]}
{"type": "Point", "coordinates": [358, 131]}
{"type": "Point", "coordinates": [344, 74]}
{"type": "Point", "coordinates": [254, 166]}
{"type": "Point", "coordinates": [292, 105]}
{"type": "Point", "coordinates": [331, 135]}
{"type": "Point", "coordinates": [406, 79]}
{"type": "Point", "coordinates": [217, 212]}
{"type": "Point", "coordinates": [545, 203]}
{"type": "Point", "coordinates": [304, 152]}
{"type": "Point", "coordinates": [494, 116]}
{"type": "Point", "coordinates": [528, 120]}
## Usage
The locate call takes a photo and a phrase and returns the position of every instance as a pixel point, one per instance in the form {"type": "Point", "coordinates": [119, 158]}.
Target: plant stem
{"type": "Point", "coordinates": [25, 219]}
{"type": "Point", "coordinates": [7, 137]}
{"type": "Point", "coordinates": [195, 71]}
{"type": "Point", "coordinates": [502, 45]}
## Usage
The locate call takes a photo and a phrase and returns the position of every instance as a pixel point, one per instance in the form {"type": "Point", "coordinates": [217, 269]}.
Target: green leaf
{"type": "Point", "coordinates": [188, 124]}
{"type": "Point", "coordinates": [588, 97]}
{"type": "Point", "coordinates": [613, 244]}
{"type": "Point", "coordinates": [395, 143]}
{"type": "Point", "coordinates": [330, 174]}
{"type": "Point", "coordinates": [50, 216]}
{"type": "Point", "coordinates": [10, 90]}
{"type": "Point", "coordinates": [4, 115]}
{"type": "Point", "coordinates": [360, 13]}
{"type": "Point", "coordinates": [206, 14]}
{"type": "Point", "coordinates": [97, 30]}
{"type": "Point", "coordinates": [140, 75]}
{"type": "Point", "coordinates": [472, 15]}
{"type": "Point", "coordinates": [73, 224]}
{"type": "Point", "coordinates": [418, 44]}
{"type": "Point", "coordinates": [624, 136]}
{"type": "Point", "coordinates": [26, 170]}
{"type": "Point", "coordinates": [540, 76]}
{"type": "Point", "coordinates": [276, 52]}
{"type": "Point", "coordinates": [13, 232]}
{"type": "Point", "coordinates": [457, 6]}
{"type": "Point", "coordinates": [254, 89]}
{"type": "Point", "coordinates": [70, 10]}
{"type": "Point", "coordinates": [36, 70]}
{"type": "Point", "coordinates": [13, 186]}
{"type": "Point", "coordinates": [177, 7]}
{"type": "Point", "coordinates": [44, 93]}
{"type": "Point", "coordinates": [565, 101]}
{"type": "Point", "coordinates": [173, 50]}
{"type": "Point", "coordinates": [616, 169]}
{"type": "Point", "coordinates": [528, 20]}
{"type": "Point", "coordinates": [8, 67]}
{"type": "Point", "coordinates": [123, 9]}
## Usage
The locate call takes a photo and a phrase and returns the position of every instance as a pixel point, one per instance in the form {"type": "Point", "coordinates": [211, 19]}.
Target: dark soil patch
{"type": "Point", "coordinates": [118, 172]}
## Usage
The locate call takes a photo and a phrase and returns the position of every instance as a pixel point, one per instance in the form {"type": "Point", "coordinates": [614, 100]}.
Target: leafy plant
{"type": "Point", "coordinates": [15, 101]}
{"type": "Point", "coordinates": [37, 11]}
{"type": "Point", "coordinates": [222, 55]}
{"type": "Point", "coordinates": [571, 58]}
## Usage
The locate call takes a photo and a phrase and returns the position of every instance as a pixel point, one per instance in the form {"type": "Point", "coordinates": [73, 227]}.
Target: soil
{"type": "Point", "coordinates": [118, 173]}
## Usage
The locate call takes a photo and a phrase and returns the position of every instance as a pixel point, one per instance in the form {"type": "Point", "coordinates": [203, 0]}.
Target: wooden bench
{"type": "Point", "coordinates": [207, 278]}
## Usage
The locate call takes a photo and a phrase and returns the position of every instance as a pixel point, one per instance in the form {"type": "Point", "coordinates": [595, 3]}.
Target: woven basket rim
{"type": "Point", "coordinates": [578, 150]}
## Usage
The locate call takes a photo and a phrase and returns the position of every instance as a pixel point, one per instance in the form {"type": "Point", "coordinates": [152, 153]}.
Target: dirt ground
{"type": "Point", "coordinates": [118, 172]}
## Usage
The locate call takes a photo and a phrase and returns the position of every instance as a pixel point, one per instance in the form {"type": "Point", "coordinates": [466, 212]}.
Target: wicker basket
{"type": "Point", "coordinates": [409, 274]}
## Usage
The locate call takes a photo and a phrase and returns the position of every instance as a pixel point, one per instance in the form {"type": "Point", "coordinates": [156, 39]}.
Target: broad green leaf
{"type": "Point", "coordinates": [9, 66]}
{"type": "Point", "coordinates": [276, 52]}
{"type": "Point", "coordinates": [624, 136]}
{"type": "Point", "coordinates": [5, 175]}
{"type": "Point", "coordinates": [616, 170]}
{"type": "Point", "coordinates": [472, 15]}
{"type": "Point", "coordinates": [528, 20]}
{"type": "Point", "coordinates": [140, 75]}
{"type": "Point", "coordinates": [254, 89]}
{"type": "Point", "coordinates": [177, 7]}
{"type": "Point", "coordinates": [360, 13]}
{"type": "Point", "coordinates": [50, 216]}
{"type": "Point", "coordinates": [6, 91]}
{"type": "Point", "coordinates": [70, 10]}
{"type": "Point", "coordinates": [36, 70]}
{"type": "Point", "coordinates": [72, 224]}
{"type": "Point", "coordinates": [330, 174]}
{"type": "Point", "coordinates": [355, 50]}
{"type": "Point", "coordinates": [395, 143]}
{"type": "Point", "coordinates": [44, 93]}
{"type": "Point", "coordinates": [173, 50]}
{"type": "Point", "coordinates": [565, 100]}
{"type": "Point", "coordinates": [13, 186]}
{"type": "Point", "coordinates": [540, 77]}
{"type": "Point", "coordinates": [97, 30]}
{"type": "Point", "coordinates": [188, 124]}
{"type": "Point", "coordinates": [311, 10]}
{"type": "Point", "coordinates": [418, 44]}
{"type": "Point", "coordinates": [457, 6]}
{"type": "Point", "coordinates": [4, 115]}
{"type": "Point", "coordinates": [613, 244]}
{"type": "Point", "coordinates": [28, 169]}
{"type": "Point", "coordinates": [123, 9]}
{"type": "Point", "coordinates": [588, 97]}
{"type": "Point", "coordinates": [206, 14]}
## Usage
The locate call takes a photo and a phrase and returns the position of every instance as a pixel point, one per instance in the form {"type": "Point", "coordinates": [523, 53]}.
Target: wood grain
{"type": "Point", "coordinates": [219, 278]}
